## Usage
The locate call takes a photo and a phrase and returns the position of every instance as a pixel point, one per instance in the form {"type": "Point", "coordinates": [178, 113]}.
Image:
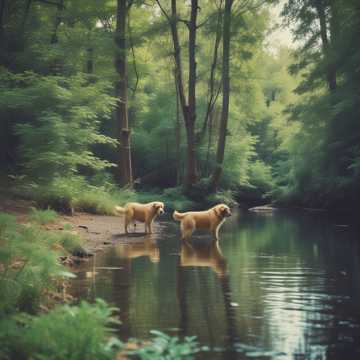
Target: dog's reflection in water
{"type": "Point", "coordinates": [203, 255]}
{"type": "Point", "coordinates": [146, 246]}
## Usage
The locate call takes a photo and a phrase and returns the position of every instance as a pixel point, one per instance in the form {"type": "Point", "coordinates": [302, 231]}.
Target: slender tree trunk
{"type": "Point", "coordinates": [212, 94]}
{"type": "Point", "coordinates": [56, 64]}
{"type": "Point", "coordinates": [3, 44]}
{"type": "Point", "coordinates": [124, 173]}
{"type": "Point", "coordinates": [177, 135]}
{"type": "Point", "coordinates": [331, 70]}
{"type": "Point", "coordinates": [54, 36]}
{"type": "Point", "coordinates": [90, 60]}
{"type": "Point", "coordinates": [2, 12]}
{"type": "Point", "coordinates": [188, 107]}
{"type": "Point", "coordinates": [191, 173]}
{"type": "Point", "coordinates": [226, 96]}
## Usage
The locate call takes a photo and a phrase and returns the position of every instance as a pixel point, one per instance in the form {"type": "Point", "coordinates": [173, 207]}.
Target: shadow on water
{"type": "Point", "coordinates": [276, 286]}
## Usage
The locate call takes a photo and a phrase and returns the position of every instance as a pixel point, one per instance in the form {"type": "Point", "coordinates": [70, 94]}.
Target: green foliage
{"type": "Point", "coordinates": [321, 167]}
{"type": "Point", "coordinates": [164, 347]}
{"type": "Point", "coordinates": [70, 241]}
{"type": "Point", "coordinates": [42, 216]}
{"type": "Point", "coordinates": [29, 265]}
{"type": "Point", "coordinates": [58, 121]}
{"type": "Point", "coordinates": [67, 332]}
{"type": "Point", "coordinates": [222, 196]}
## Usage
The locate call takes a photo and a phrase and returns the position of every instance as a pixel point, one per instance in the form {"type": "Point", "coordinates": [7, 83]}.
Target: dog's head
{"type": "Point", "coordinates": [159, 207]}
{"type": "Point", "coordinates": [222, 210]}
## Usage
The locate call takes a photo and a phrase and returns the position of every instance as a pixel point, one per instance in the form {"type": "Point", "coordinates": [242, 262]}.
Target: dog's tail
{"type": "Point", "coordinates": [119, 210]}
{"type": "Point", "coordinates": [178, 216]}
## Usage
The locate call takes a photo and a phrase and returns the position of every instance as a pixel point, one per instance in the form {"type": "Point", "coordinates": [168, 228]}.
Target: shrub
{"type": "Point", "coordinates": [71, 242]}
{"type": "Point", "coordinates": [59, 120]}
{"type": "Point", "coordinates": [222, 196]}
{"type": "Point", "coordinates": [29, 265]}
{"type": "Point", "coordinates": [68, 332]}
{"type": "Point", "coordinates": [163, 346]}
{"type": "Point", "coordinates": [42, 216]}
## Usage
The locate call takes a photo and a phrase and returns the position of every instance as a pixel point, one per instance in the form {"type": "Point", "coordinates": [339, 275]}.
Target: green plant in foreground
{"type": "Point", "coordinates": [80, 332]}
{"type": "Point", "coordinates": [29, 265]}
{"type": "Point", "coordinates": [42, 216]}
{"type": "Point", "coordinates": [165, 347]}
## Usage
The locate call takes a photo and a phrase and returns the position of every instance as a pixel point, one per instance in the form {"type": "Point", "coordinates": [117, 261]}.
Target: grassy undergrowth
{"type": "Point", "coordinates": [29, 265]}
{"type": "Point", "coordinates": [42, 217]}
{"type": "Point", "coordinates": [76, 194]}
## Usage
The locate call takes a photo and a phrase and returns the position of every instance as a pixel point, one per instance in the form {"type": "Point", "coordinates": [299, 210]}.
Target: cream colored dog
{"type": "Point", "coordinates": [145, 213]}
{"type": "Point", "coordinates": [210, 220]}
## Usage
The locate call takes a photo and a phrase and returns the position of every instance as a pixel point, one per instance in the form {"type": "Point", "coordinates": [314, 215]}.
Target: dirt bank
{"type": "Point", "coordinates": [98, 231]}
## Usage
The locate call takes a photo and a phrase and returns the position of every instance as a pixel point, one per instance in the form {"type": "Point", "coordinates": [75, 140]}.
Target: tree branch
{"type": "Point", "coordinates": [163, 10]}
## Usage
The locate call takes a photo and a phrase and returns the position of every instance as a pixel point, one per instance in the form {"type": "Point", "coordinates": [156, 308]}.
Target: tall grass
{"type": "Point", "coordinates": [80, 332]}
{"type": "Point", "coordinates": [29, 266]}
{"type": "Point", "coordinates": [42, 216]}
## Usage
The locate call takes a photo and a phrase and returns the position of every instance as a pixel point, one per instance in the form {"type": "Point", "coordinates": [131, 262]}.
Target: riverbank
{"type": "Point", "coordinates": [39, 251]}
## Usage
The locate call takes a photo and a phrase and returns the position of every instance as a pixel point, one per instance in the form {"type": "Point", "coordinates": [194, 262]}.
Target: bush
{"type": "Point", "coordinates": [67, 332]}
{"type": "Point", "coordinates": [29, 265]}
{"type": "Point", "coordinates": [222, 196]}
{"type": "Point", "coordinates": [42, 216]}
{"type": "Point", "coordinates": [58, 121]}
{"type": "Point", "coordinates": [163, 346]}
{"type": "Point", "coordinates": [71, 242]}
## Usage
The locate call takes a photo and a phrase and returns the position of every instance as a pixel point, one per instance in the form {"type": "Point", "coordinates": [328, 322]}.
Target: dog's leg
{"type": "Point", "coordinates": [187, 230]}
{"type": "Point", "coordinates": [127, 222]}
{"type": "Point", "coordinates": [215, 233]}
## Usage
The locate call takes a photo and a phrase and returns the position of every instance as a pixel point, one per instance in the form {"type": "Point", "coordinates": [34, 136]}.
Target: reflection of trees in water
{"type": "Point", "coordinates": [200, 256]}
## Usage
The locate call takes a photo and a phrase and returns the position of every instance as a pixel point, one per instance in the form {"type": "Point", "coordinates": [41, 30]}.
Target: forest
{"type": "Point", "coordinates": [189, 102]}
{"type": "Point", "coordinates": [181, 98]}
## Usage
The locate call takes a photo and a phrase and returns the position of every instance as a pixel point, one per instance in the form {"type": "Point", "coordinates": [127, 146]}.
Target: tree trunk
{"type": "Point", "coordinates": [3, 44]}
{"type": "Point", "coordinates": [177, 136]}
{"type": "Point", "coordinates": [226, 96]}
{"type": "Point", "coordinates": [188, 107]}
{"type": "Point", "coordinates": [90, 60]}
{"type": "Point", "coordinates": [56, 64]}
{"type": "Point", "coordinates": [191, 173]}
{"type": "Point", "coordinates": [212, 94]}
{"type": "Point", "coordinates": [54, 36]}
{"type": "Point", "coordinates": [124, 170]}
{"type": "Point", "coordinates": [331, 70]}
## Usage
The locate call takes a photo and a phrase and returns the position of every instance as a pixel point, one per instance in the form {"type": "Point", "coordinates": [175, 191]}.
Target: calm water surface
{"type": "Point", "coordinates": [280, 286]}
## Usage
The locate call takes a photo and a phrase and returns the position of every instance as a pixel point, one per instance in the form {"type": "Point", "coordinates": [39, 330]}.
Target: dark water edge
{"type": "Point", "coordinates": [280, 285]}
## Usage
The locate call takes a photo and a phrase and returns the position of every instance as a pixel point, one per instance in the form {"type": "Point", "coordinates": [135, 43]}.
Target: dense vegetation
{"type": "Point", "coordinates": [290, 137]}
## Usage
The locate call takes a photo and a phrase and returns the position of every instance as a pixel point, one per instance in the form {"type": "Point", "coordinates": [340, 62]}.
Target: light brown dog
{"type": "Point", "coordinates": [210, 220]}
{"type": "Point", "coordinates": [145, 213]}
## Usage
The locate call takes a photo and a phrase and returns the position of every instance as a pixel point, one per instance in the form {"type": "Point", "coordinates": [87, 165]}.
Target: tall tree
{"type": "Point", "coordinates": [226, 95]}
{"type": "Point", "coordinates": [124, 171]}
{"type": "Point", "coordinates": [188, 105]}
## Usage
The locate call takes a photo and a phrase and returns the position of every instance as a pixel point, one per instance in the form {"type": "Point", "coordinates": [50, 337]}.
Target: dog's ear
{"type": "Point", "coordinates": [217, 210]}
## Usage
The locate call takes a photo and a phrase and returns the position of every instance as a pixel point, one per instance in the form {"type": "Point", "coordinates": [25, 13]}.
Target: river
{"type": "Point", "coordinates": [278, 285]}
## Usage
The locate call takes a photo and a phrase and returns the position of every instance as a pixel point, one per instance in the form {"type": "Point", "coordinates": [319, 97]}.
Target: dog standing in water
{"type": "Point", "coordinates": [210, 220]}
{"type": "Point", "coordinates": [145, 213]}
